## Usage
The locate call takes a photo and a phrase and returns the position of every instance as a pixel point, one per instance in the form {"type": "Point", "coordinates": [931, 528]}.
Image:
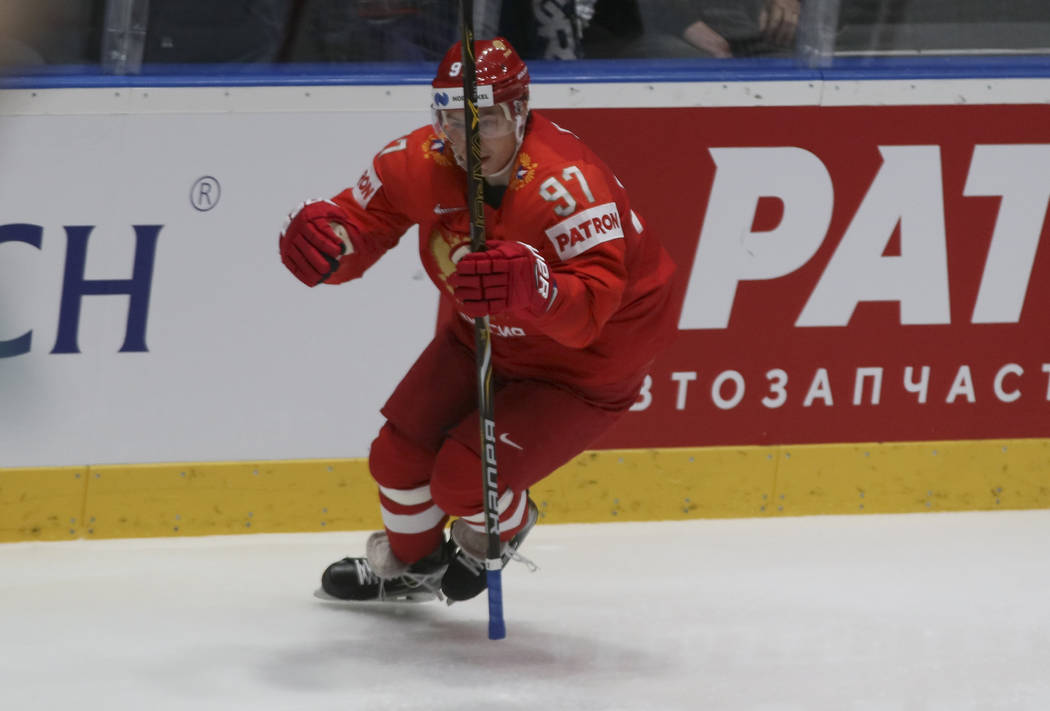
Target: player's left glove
{"type": "Point", "coordinates": [314, 239]}
{"type": "Point", "coordinates": [507, 276]}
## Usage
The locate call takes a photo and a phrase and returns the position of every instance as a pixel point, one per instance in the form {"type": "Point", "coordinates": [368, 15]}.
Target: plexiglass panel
{"type": "Point", "coordinates": [133, 36]}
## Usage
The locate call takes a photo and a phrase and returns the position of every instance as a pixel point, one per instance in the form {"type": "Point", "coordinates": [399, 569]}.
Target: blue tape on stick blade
{"type": "Point", "coordinates": [497, 628]}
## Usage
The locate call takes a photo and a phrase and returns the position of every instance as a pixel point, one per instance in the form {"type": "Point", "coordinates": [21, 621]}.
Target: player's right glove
{"type": "Point", "coordinates": [506, 276]}
{"type": "Point", "coordinates": [314, 239]}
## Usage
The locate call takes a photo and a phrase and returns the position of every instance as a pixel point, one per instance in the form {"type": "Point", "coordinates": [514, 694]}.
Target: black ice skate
{"type": "Point", "coordinates": [381, 577]}
{"type": "Point", "coordinates": [465, 577]}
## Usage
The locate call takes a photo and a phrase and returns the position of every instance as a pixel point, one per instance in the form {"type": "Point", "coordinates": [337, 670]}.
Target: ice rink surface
{"type": "Point", "coordinates": [905, 612]}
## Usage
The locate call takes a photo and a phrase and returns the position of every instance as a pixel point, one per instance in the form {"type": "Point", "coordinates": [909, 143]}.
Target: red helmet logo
{"type": "Point", "coordinates": [497, 65]}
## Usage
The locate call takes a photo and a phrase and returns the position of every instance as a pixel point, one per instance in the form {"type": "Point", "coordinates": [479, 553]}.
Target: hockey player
{"type": "Point", "coordinates": [578, 294]}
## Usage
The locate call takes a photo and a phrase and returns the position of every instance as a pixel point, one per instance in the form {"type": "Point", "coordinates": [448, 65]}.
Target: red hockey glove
{"type": "Point", "coordinates": [507, 276]}
{"type": "Point", "coordinates": [314, 239]}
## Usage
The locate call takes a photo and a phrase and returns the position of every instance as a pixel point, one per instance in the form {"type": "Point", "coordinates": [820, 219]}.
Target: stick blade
{"type": "Point", "coordinates": [497, 628]}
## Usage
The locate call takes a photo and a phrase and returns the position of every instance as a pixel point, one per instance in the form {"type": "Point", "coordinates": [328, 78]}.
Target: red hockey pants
{"type": "Point", "coordinates": [426, 457]}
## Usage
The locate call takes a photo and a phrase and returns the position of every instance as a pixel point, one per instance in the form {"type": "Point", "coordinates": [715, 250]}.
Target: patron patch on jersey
{"type": "Point", "coordinates": [575, 235]}
{"type": "Point", "coordinates": [367, 186]}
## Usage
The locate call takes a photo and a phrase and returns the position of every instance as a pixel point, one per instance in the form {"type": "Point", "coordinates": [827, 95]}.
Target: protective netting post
{"type": "Point", "coordinates": [124, 37]}
{"type": "Point", "coordinates": [486, 18]}
{"type": "Point", "coordinates": [817, 27]}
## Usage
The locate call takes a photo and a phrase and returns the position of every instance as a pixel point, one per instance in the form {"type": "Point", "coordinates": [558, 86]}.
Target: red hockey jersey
{"type": "Point", "coordinates": [612, 312]}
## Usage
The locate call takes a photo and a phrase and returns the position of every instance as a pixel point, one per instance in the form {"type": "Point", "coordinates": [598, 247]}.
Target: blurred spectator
{"type": "Point", "coordinates": [691, 28]}
{"type": "Point", "coordinates": [721, 28]}
{"type": "Point", "coordinates": [546, 29]}
{"type": "Point", "coordinates": [422, 30]}
{"type": "Point", "coordinates": [615, 31]}
{"type": "Point", "coordinates": [374, 30]}
{"type": "Point", "coordinates": [50, 32]}
{"type": "Point", "coordinates": [188, 31]}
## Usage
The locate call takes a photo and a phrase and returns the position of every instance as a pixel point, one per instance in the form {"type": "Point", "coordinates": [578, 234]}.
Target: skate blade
{"type": "Point", "coordinates": [410, 599]}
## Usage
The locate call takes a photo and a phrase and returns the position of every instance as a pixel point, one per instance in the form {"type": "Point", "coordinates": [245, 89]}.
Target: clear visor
{"type": "Point", "coordinates": [495, 122]}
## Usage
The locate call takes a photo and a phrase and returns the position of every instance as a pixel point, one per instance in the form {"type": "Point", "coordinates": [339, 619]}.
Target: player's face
{"type": "Point", "coordinates": [497, 130]}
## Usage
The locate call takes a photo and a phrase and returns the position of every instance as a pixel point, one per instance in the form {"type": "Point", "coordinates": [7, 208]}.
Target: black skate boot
{"type": "Point", "coordinates": [380, 576]}
{"type": "Point", "coordinates": [465, 577]}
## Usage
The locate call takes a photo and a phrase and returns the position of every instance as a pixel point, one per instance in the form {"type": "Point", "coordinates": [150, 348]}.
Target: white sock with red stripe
{"type": "Point", "coordinates": [513, 508]}
{"type": "Point", "coordinates": [414, 524]}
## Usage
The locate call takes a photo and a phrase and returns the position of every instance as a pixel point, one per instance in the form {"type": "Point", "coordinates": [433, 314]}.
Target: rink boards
{"type": "Point", "coordinates": [208, 498]}
{"type": "Point", "coordinates": [863, 269]}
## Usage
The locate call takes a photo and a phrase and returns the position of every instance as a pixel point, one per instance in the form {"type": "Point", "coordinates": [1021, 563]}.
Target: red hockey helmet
{"type": "Point", "coordinates": [497, 66]}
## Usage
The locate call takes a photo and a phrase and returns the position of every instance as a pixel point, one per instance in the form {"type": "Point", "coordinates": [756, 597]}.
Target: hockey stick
{"type": "Point", "coordinates": [482, 334]}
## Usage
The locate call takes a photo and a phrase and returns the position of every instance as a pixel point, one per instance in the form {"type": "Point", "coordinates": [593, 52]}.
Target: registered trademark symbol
{"type": "Point", "coordinates": [204, 195]}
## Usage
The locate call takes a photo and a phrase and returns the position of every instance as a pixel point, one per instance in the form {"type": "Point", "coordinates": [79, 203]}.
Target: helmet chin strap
{"type": "Point", "coordinates": [519, 135]}
{"type": "Point", "coordinates": [503, 174]}
{"type": "Point", "coordinates": [462, 163]}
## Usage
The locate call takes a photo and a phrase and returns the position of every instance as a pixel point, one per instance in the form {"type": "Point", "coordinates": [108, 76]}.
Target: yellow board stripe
{"type": "Point", "coordinates": [42, 504]}
{"type": "Point", "coordinates": [209, 498]}
{"type": "Point", "coordinates": [230, 497]}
